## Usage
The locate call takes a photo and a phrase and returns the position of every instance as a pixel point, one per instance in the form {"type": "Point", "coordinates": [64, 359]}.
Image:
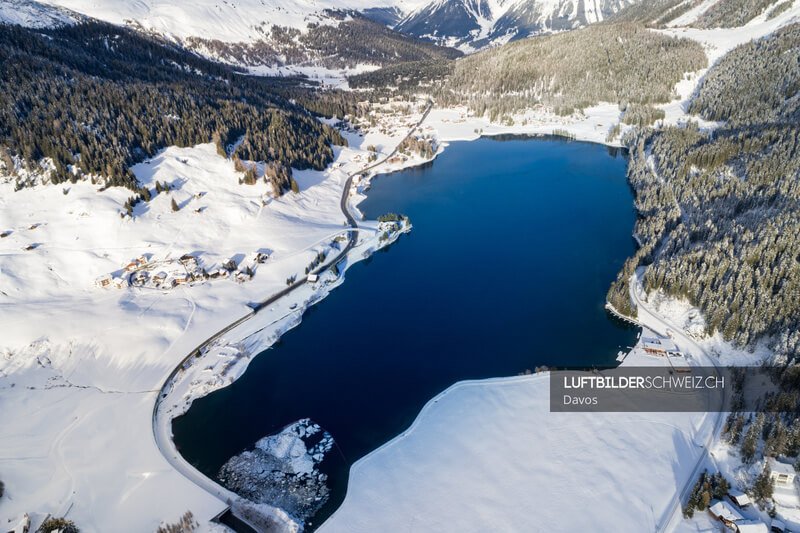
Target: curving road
{"type": "Point", "coordinates": [162, 429]}
{"type": "Point", "coordinates": [675, 509]}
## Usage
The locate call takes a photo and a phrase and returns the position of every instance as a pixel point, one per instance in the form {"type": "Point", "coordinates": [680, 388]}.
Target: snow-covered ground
{"type": "Point", "coordinates": [458, 124]}
{"type": "Point", "coordinates": [81, 365]}
{"type": "Point", "coordinates": [490, 454]}
{"type": "Point", "coordinates": [328, 77]}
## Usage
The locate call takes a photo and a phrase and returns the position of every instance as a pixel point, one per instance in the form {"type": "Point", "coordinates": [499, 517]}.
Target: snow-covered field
{"type": "Point", "coordinates": [489, 454]}
{"type": "Point", "coordinates": [457, 124]}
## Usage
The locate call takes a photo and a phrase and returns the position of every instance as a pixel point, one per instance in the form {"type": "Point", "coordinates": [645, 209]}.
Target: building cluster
{"type": "Point", "coordinates": [732, 511]}
{"type": "Point", "coordinates": [171, 273]}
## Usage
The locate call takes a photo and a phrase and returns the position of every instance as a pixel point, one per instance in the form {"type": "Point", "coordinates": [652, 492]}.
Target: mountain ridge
{"type": "Point", "coordinates": [474, 24]}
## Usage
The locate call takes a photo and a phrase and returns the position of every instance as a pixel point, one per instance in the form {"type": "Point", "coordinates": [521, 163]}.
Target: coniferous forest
{"type": "Point", "coordinates": [96, 99]}
{"type": "Point", "coordinates": [719, 212]}
{"type": "Point", "coordinates": [620, 62]}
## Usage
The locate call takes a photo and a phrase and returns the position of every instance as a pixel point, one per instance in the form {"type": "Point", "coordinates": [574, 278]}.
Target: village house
{"type": "Point", "coordinates": [313, 278]}
{"type": "Point", "coordinates": [655, 345]}
{"type": "Point", "coordinates": [141, 260]}
{"type": "Point", "coordinates": [241, 277]}
{"type": "Point", "coordinates": [118, 283]}
{"type": "Point", "coordinates": [131, 266]}
{"type": "Point", "coordinates": [739, 498]}
{"type": "Point", "coordinates": [140, 278]}
{"type": "Point", "coordinates": [752, 526]}
{"type": "Point", "coordinates": [103, 281]}
{"type": "Point", "coordinates": [188, 259]}
{"type": "Point", "coordinates": [781, 473]}
{"type": "Point", "coordinates": [180, 279]}
{"type": "Point", "coordinates": [725, 513]}
{"type": "Point", "coordinates": [160, 278]}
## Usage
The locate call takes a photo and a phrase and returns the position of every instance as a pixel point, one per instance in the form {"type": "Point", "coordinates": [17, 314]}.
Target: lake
{"type": "Point", "coordinates": [514, 246]}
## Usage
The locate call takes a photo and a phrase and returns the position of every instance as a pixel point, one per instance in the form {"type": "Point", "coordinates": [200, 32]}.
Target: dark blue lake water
{"type": "Point", "coordinates": [515, 243]}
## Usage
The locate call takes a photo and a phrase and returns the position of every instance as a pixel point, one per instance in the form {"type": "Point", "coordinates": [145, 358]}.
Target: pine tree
{"type": "Point", "coordinates": [762, 489]}
{"type": "Point", "coordinates": [175, 205]}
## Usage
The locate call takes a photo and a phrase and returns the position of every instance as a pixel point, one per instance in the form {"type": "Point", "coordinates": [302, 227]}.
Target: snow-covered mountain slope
{"type": "Point", "coordinates": [470, 24]}
{"type": "Point", "coordinates": [224, 20]}
{"type": "Point", "coordinates": [35, 15]}
{"type": "Point", "coordinates": [312, 37]}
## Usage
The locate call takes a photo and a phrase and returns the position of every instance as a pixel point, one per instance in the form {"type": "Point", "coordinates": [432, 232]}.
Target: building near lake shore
{"type": "Point", "coordinates": [656, 345]}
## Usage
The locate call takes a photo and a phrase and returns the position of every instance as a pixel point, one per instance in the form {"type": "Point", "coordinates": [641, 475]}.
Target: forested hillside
{"type": "Point", "coordinates": [622, 62]}
{"type": "Point", "coordinates": [732, 13]}
{"type": "Point", "coordinates": [406, 77]}
{"type": "Point", "coordinates": [96, 98]}
{"type": "Point", "coordinates": [354, 40]}
{"type": "Point", "coordinates": [719, 214]}
{"type": "Point", "coordinates": [720, 14]}
{"type": "Point", "coordinates": [656, 12]}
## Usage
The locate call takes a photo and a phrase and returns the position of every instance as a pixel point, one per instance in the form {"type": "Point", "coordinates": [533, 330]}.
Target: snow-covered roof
{"type": "Point", "coordinates": [752, 526]}
{"type": "Point", "coordinates": [657, 343]}
{"type": "Point", "coordinates": [781, 468]}
{"type": "Point", "coordinates": [724, 510]}
{"type": "Point", "coordinates": [740, 497]}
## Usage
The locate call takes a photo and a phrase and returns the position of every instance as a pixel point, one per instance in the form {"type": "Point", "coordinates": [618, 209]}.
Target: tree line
{"type": "Point", "coordinates": [718, 216]}
{"type": "Point", "coordinates": [96, 99]}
